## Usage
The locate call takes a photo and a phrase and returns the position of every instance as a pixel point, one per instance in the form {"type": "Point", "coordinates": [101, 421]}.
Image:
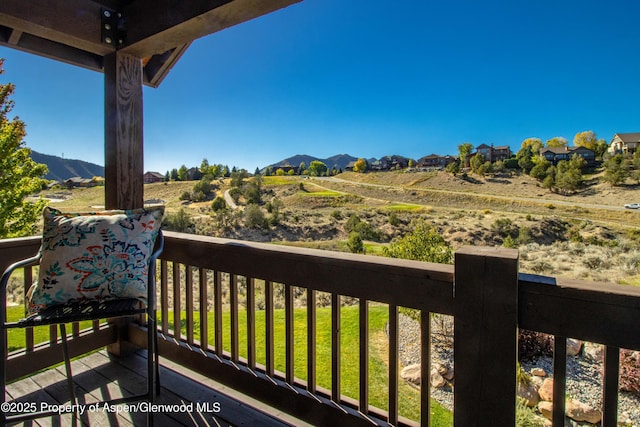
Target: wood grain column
{"type": "Point", "coordinates": [123, 132]}
{"type": "Point", "coordinates": [485, 340]}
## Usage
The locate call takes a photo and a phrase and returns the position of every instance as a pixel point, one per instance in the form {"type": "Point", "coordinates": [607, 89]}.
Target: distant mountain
{"type": "Point", "coordinates": [62, 169]}
{"type": "Point", "coordinates": [339, 161]}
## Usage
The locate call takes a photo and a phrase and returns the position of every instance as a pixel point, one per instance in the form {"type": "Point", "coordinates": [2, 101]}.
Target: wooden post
{"type": "Point", "coordinates": [123, 148]}
{"type": "Point", "coordinates": [123, 132]}
{"type": "Point", "coordinates": [485, 344]}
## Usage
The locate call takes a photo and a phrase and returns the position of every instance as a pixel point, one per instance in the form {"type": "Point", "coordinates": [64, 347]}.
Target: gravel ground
{"type": "Point", "coordinates": [584, 375]}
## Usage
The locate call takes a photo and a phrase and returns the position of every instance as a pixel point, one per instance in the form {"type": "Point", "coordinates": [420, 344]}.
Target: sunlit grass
{"type": "Point", "coordinates": [409, 397]}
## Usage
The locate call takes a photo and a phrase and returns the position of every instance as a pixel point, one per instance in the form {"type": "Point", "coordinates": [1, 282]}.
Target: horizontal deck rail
{"type": "Point", "coordinates": [213, 290]}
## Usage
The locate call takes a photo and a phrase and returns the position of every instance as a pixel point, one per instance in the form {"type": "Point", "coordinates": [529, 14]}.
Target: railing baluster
{"type": "Point", "coordinates": [311, 340]}
{"type": "Point", "coordinates": [268, 298]}
{"type": "Point", "coordinates": [233, 300]}
{"type": "Point", "coordinates": [189, 302]}
{"type": "Point", "coordinates": [204, 309]}
{"type": "Point", "coordinates": [177, 325]}
{"type": "Point", "coordinates": [335, 348]}
{"type": "Point", "coordinates": [364, 355]}
{"type": "Point", "coordinates": [559, 379]}
{"type": "Point", "coordinates": [251, 322]}
{"type": "Point", "coordinates": [610, 386]}
{"type": "Point", "coordinates": [393, 365]}
{"type": "Point", "coordinates": [75, 329]}
{"type": "Point", "coordinates": [164, 296]}
{"type": "Point", "coordinates": [53, 335]}
{"type": "Point", "coordinates": [288, 318]}
{"type": "Point", "coordinates": [28, 281]}
{"type": "Point", "coordinates": [217, 311]}
{"type": "Point", "coordinates": [425, 368]}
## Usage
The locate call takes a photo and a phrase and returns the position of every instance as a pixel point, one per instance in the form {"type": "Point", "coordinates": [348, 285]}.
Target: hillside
{"type": "Point", "coordinates": [339, 161]}
{"type": "Point", "coordinates": [62, 169]}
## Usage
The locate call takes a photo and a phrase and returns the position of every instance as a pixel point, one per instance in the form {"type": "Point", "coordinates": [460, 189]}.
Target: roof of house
{"type": "Point", "coordinates": [563, 150]}
{"type": "Point", "coordinates": [156, 174]}
{"type": "Point", "coordinates": [628, 137]}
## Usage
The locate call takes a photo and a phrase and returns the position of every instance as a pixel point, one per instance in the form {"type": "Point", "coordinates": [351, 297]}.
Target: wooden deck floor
{"type": "Point", "coordinates": [98, 377]}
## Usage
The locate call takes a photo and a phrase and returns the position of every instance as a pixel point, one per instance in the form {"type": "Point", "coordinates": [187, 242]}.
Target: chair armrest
{"type": "Point", "coordinates": [34, 260]}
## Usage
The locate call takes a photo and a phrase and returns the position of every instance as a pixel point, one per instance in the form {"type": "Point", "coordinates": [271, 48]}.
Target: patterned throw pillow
{"type": "Point", "coordinates": [101, 255]}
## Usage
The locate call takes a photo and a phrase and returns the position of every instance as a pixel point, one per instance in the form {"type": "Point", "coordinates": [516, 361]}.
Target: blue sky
{"type": "Point", "coordinates": [366, 78]}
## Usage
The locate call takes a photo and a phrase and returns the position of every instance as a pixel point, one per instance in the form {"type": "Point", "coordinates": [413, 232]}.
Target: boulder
{"type": "Point", "coordinates": [529, 393]}
{"type": "Point", "coordinates": [579, 411]}
{"type": "Point", "coordinates": [546, 390]}
{"type": "Point", "coordinates": [411, 373]}
{"type": "Point", "coordinates": [546, 409]}
{"type": "Point", "coordinates": [573, 347]}
{"type": "Point", "coordinates": [538, 372]}
{"type": "Point", "coordinates": [449, 375]}
{"type": "Point", "coordinates": [437, 380]}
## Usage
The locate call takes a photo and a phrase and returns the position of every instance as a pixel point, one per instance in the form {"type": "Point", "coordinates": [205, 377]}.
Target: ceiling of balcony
{"type": "Point", "coordinates": [83, 32]}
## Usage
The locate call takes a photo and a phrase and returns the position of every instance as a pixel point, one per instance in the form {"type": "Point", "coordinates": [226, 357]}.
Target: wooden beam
{"type": "Point", "coordinates": [74, 23]}
{"type": "Point", "coordinates": [157, 26]}
{"type": "Point", "coordinates": [123, 132]}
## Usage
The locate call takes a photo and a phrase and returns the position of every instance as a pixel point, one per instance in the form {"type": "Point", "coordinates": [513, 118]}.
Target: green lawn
{"type": "Point", "coordinates": [409, 399]}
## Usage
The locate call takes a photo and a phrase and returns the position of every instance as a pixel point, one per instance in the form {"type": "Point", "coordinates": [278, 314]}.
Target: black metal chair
{"type": "Point", "coordinates": [76, 311]}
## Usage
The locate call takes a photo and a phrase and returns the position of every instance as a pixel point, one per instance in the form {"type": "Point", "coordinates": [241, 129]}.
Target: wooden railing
{"type": "Point", "coordinates": [212, 291]}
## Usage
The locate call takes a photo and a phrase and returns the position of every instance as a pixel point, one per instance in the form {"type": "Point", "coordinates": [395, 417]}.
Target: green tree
{"type": "Point", "coordinates": [280, 172]}
{"type": "Point", "coordinates": [174, 174]}
{"type": "Point", "coordinates": [301, 168]}
{"type": "Point", "coordinates": [360, 165]}
{"type": "Point", "coordinates": [464, 150]}
{"type": "Point", "coordinates": [541, 169]}
{"type": "Point", "coordinates": [317, 168]}
{"type": "Point", "coordinates": [569, 174]}
{"type": "Point", "coordinates": [535, 144]}
{"type": "Point", "coordinates": [218, 204]}
{"type": "Point", "coordinates": [525, 158]}
{"type": "Point", "coordinates": [354, 243]}
{"type": "Point", "coordinates": [424, 243]}
{"type": "Point", "coordinates": [20, 176]}
{"type": "Point", "coordinates": [557, 141]}
{"type": "Point", "coordinates": [616, 169]}
{"type": "Point", "coordinates": [476, 162]}
{"type": "Point", "coordinates": [183, 173]}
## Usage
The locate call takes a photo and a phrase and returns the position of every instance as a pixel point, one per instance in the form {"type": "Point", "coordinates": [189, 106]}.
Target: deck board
{"type": "Point", "coordinates": [99, 376]}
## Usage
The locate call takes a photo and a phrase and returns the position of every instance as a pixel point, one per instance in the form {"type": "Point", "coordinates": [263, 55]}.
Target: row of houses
{"type": "Point", "coordinates": [621, 143]}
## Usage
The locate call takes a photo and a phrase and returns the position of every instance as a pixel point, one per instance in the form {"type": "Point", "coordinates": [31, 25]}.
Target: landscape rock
{"type": "Point", "coordinates": [449, 375]}
{"type": "Point", "coordinates": [546, 409]}
{"type": "Point", "coordinates": [411, 373]}
{"type": "Point", "coordinates": [594, 351]}
{"type": "Point", "coordinates": [529, 393]}
{"type": "Point", "coordinates": [437, 380]}
{"type": "Point", "coordinates": [546, 390]}
{"type": "Point", "coordinates": [573, 347]}
{"type": "Point", "coordinates": [579, 411]}
{"type": "Point", "coordinates": [538, 372]}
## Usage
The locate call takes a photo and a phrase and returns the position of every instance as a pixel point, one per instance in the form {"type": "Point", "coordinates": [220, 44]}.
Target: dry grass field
{"type": "Point", "coordinates": [588, 235]}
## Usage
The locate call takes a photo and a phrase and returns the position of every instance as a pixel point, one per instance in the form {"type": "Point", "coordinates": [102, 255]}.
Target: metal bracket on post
{"type": "Point", "coordinates": [113, 30]}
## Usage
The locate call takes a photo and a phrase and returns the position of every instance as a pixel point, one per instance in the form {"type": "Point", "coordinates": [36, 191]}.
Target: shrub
{"type": "Point", "coordinates": [355, 243]}
{"type": "Point", "coordinates": [336, 214]}
{"type": "Point", "coordinates": [424, 243]}
{"type": "Point", "coordinates": [504, 227]}
{"type": "Point", "coordinates": [185, 196]}
{"type": "Point", "coordinates": [218, 204]}
{"type": "Point", "coordinates": [394, 220]}
{"type": "Point", "coordinates": [254, 218]}
{"type": "Point", "coordinates": [179, 221]}
{"type": "Point", "coordinates": [532, 345]}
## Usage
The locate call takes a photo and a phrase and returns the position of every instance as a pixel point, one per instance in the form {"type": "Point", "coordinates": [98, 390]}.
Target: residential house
{"type": "Point", "coordinates": [493, 154]}
{"type": "Point", "coordinates": [77, 181]}
{"type": "Point", "coordinates": [623, 143]}
{"type": "Point", "coordinates": [435, 161]}
{"type": "Point", "coordinates": [557, 154]}
{"type": "Point", "coordinates": [151, 177]}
